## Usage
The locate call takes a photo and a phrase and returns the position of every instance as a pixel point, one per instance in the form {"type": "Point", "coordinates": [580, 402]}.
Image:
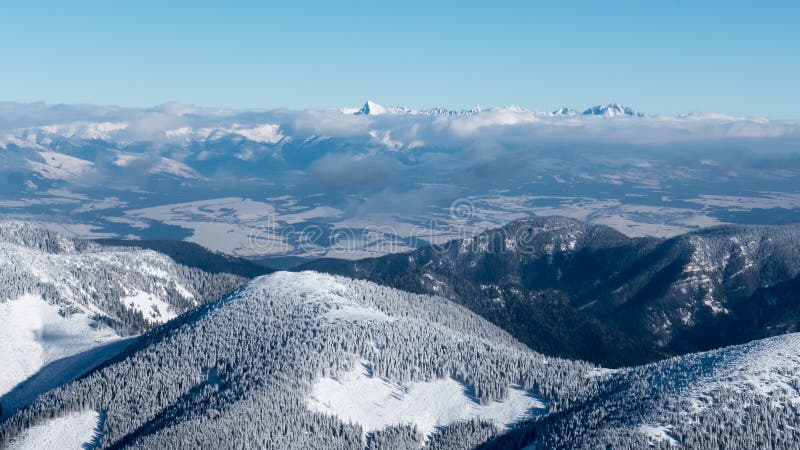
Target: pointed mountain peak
{"type": "Point", "coordinates": [612, 110]}
{"type": "Point", "coordinates": [372, 109]}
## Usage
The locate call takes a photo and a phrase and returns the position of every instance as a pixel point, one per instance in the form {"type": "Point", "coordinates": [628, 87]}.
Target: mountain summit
{"type": "Point", "coordinates": [371, 108]}
{"type": "Point", "coordinates": [612, 110]}
{"type": "Point", "coordinates": [564, 111]}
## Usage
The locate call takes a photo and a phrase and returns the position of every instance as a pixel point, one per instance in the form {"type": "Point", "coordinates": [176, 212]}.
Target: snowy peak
{"type": "Point", "coordinates": [371, 109]}
{"type": "Point", "coordinates": [564, 111]}
{"type": "Point", "coordinates": [339, 361]}
{"type": "Point", "coordinates": [662, 404]}
{"type": "Point", "coordinates": [612, 110]}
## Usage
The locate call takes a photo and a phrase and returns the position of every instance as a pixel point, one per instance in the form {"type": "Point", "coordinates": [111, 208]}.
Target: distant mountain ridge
{"type": "Point", "coordinates": [371, 108]}
{"type": "Point", "coordinates": [609, 110]}
{"type": "Point", "coordinates": [133, 172]}
{"type": "Point", "coordinates": [586, 291]}
{"type": "Point", "coordinates": [612, 110]}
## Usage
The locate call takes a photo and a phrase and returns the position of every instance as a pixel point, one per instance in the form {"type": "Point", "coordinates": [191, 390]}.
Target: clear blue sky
{"type": "Point", "coordinates": [660, 56]}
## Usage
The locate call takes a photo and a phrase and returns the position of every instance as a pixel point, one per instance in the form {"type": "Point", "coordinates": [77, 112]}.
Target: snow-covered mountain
{"type": "Point", "coordinates": [609, 111]}
{"type": "Point", "coordinates": [604, 110]}
{"type": "Point", "coordinates": [741, 397]}
{"type": "Point", "coordinates": [612, 110]}
{"type": "Point", "coordinates": [371, 108]}
{"type": "Point", "coordinates": [599, 295]}
{"type": "Point", "coordinates": [99, 166]}
{"type": "Point", "coordinates": [564, 112]}
{"type": "Point", "coordinates": [60, 296]}
{"type": "Point", "coordinates": [305, 360]}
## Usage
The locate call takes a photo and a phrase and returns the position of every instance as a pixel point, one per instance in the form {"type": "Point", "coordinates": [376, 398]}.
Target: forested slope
{"type": "Point", "coordinates": [60, 297]}
{"type": "Point", "coordinates": [740, 397]}
{"type": "Point", "coordinates": [585, 291]}
{"type": "Point", "coordinates": [244, 372]}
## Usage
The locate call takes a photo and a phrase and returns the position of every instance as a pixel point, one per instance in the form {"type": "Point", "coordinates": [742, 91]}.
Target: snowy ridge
{"type": "Point", "coordinates": [706, 289]}
{"type": "Point", "coordinates": [60, 296]}
{"type": "Point", "coordinates": [58, 166]}
{"type": "Point", "coordinates": [399, 370]}
{"type": "Point", "coordinates": [64, 273]}
{"type": "Point", "coordinates": [608, 110]}
{"type": "Point", "coordinates": [86, 130]}
{"type": "Point", "coordinates": [324, 292]}
{"type": "Point", "coordinates": [267, 133]}
{"type": "Point", "coordinates": [185, 125]}
{"type": "Point", "coordinates": [371, 108]}
{"type": "Point", "coordinates": [766, 368]}
{"type": "Point", "coordinates": [564, 111]}
{"type": "Point", "coordinates": [33, 333]}
{"type": "Point", "coordinates": [283, 370]}
{"type": "Point", "coordinates": [375, 403]}
{"type": "Point", "coordinates": [158, 165]}
{"type": "Point", "coordinates": [746, 396]}
{"type": "Point", "coordinates": [612, 110]}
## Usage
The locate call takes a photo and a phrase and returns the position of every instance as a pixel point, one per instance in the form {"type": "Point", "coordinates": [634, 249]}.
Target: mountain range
{"type": "Point", "coordinates": [224, 178]}
{"type": "Point", "coordinates": [579, 290]}
{"type": "Point", "coordinates": [467, 355]}
{"type": "Point", "coordinates": [306, 360]}
{"type": "Point", "coordinates": [609, 110]}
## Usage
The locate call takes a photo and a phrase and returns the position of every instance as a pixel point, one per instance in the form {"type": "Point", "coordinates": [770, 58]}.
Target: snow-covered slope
{"type": "Point", "coordinates": [60, 297]}
{"type": "Point", "coordinates": [33, 333]}
{"type": "Point", "coordinates": [305, 360]}
{"type": "Point", "coordinates": [158, 165]}
{"type": "Point", "coordinates": [564, 112]}
{"type": "Point", "coordinates": [76, 430]}
{"type": "Point", "coordinates": [739, 397]}
{"type": "Point", "coordinates": [371, 108]}
{"type": "Point", "coordinates": [63, 370]}
{"type": "Point", "coordinates": [275, 365]}
{"type": "Point", "coordinates": [85, 130]}
{"type": "Point", "coordinates": [58, 166]}
{"type": "Point", "coordinates": [376, 403]}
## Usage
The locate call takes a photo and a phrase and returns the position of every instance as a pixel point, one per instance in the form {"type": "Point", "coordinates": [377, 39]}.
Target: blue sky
{"type": "Point", "coordinates": [661, 57]}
